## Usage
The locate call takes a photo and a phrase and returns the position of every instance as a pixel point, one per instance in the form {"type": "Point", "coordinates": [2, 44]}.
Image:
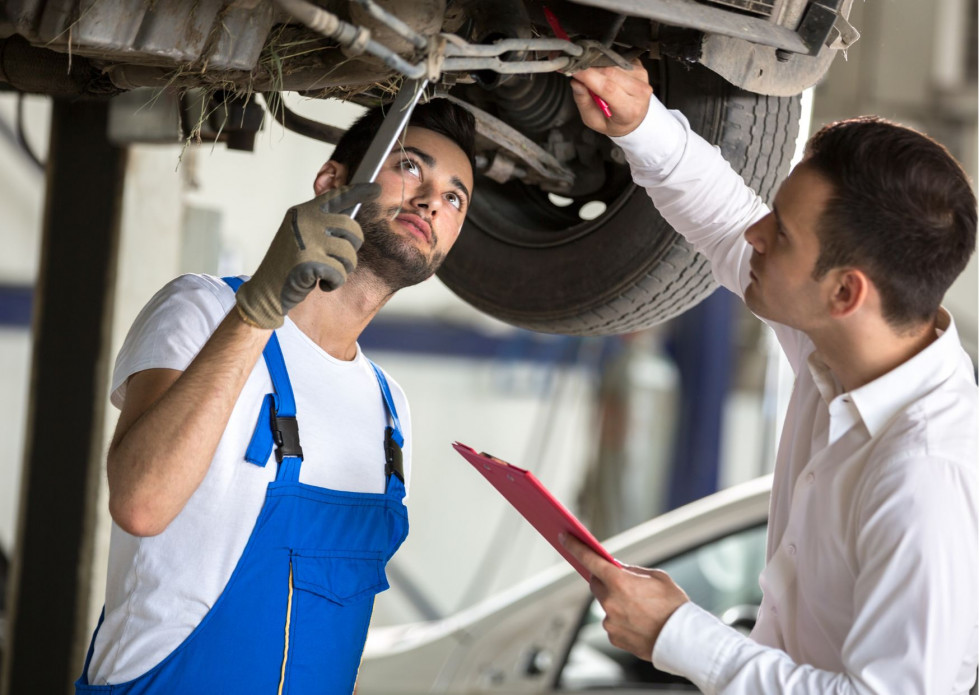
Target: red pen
{"type": "Point", "coordinates": [562, 34]}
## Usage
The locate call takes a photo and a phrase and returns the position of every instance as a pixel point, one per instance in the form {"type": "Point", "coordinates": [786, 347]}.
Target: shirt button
{"type": "Point", "coordinates": [810, 478]}
{"type": "Point", "coordinates": [790, 548]}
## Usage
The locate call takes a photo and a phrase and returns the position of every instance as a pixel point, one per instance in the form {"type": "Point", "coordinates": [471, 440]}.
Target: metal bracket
{"type": "Point", "coordinates": [518, 145]}
{"type": "Point", "coordinates": [817, 23]}
{"type": "Point", "coordinates": [714, 20]}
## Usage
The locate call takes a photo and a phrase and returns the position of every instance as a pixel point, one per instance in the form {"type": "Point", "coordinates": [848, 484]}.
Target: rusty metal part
{"type": "Point", "coordinates": [457, 47]}
{"type": "Point", "coordinates": [594, 53]}
{"type": "Point", "coordinates": [758, 68]}
{"type": "Point", "coordinates": [789, 13]}
{"type": "Point", "coordinates": [334, 75]}
{"type": "Point", "coordinates": [712, 20]}
{"type": "Point", "coordinates": [763, 8]}
{"type": "Point", "coordinates": [351, 37]}
{"type": "Point", "coordinates": [34, 70]}
{"type": "Point", "coordinates": [761, 69]}
{"type": "Point", "coordinates": [409, 31]}
{"type": "Point", "coordinates": [547, 167]}
{"type": "Point", "coordinates": [505, 67]}
{"type": "Point", "coordinates": [223, 34]}
{"type": "Point", "coordinates": [462, 56]}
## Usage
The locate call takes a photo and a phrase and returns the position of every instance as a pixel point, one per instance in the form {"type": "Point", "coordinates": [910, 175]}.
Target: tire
{"type": "Point", "coordinates": [520, 260]}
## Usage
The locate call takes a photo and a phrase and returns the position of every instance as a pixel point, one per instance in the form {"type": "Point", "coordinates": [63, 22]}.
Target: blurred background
{"type": "Point", "coordinates": [621, 428]}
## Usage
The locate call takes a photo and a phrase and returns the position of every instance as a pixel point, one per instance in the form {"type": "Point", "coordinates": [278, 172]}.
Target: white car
{"type": "Point", "coordinates": [545, 634]}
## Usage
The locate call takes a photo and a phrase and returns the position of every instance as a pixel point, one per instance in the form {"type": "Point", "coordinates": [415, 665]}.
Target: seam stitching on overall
{"type": "Point", "coordinates": [285, 649]}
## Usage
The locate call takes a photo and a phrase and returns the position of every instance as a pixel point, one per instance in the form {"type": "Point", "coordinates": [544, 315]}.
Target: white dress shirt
{"type": "Point", "coordinates": [871, 583]}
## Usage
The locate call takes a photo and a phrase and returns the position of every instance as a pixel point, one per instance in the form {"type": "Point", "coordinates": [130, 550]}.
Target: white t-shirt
{"type": "Point", "coordinates": [159, 588]}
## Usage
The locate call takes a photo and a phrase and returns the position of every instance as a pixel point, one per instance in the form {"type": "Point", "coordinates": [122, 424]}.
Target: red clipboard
{"type": "Point", "coordinates": [538, 506]}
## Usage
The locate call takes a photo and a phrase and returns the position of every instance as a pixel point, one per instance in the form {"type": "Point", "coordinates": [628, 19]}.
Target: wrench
{"type": "Point", "coordinates": [392, 125]}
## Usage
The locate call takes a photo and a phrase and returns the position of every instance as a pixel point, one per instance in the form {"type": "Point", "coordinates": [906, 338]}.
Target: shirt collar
{"type": "Point", "coordinates": [884, 397]}
{"type": "Point", "coordinates": [825, 380]}
{"type": "Point", "coordinates": [843, 413]}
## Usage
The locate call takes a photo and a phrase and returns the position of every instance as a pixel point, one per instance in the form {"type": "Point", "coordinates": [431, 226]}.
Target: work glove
{"type": "Point", "coordinates": [315, 244]}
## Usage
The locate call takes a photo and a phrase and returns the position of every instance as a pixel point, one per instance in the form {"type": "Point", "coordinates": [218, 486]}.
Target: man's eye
{"type": "Point", "coordinates": [409, 166]}
{"type": "Point", "coordinates": [454, 200]}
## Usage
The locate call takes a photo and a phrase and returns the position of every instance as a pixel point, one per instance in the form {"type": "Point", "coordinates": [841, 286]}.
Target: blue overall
{"type": "Point", "coordinates": [295, 611]}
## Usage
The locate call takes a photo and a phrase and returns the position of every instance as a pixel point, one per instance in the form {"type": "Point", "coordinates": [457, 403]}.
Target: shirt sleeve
{"type": "Point", "coordinates": [915, 603]}
{"type": "Point", "coordinates": [171, 329]}
{"type": "Point", "coordinates": [698, 193]}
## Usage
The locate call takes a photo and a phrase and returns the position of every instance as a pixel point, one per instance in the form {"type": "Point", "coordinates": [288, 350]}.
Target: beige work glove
{"type": "Point", "coordinates": [315, 244]}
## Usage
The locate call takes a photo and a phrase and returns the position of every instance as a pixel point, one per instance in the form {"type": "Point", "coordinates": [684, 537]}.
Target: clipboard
{"type": "Point", "coordinates": [535, 502]}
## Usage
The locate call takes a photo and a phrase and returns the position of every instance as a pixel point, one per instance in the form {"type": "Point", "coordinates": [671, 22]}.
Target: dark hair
{"type": "Point", "coordinates": [902, 210]}
{"type": "Point", "coordinates": [438, 115]}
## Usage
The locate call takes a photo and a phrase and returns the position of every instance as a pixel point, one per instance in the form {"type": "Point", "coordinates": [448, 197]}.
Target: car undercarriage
{"type": "Point", "coordinates": [551, 194]}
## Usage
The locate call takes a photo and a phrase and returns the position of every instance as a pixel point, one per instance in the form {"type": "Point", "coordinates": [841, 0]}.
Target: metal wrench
{"type": "Point", "coordinates": [392, 125]}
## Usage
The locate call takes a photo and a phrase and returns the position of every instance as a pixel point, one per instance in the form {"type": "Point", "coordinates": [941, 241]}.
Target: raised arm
{"type": "Point", "coordinates": [688, 180]}
{"type": "Point", "coordinates": [172, 420]}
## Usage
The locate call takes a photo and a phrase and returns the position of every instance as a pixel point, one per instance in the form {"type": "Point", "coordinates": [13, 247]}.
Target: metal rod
{"type": "Point", "coordinates": [331, 26]}
{"type": "Point", "coordinates": [496, 48]}
{"type": "Point", "coordinates": [505, 67]}
{"type": "Point", "coordinates": [393, 23]}
{"type": "Point", "coordinates": [300, 124]}
{"type": "Point", "coordinates": [613, 30]}
{"type": "Point", "coordinates": [394, 61]}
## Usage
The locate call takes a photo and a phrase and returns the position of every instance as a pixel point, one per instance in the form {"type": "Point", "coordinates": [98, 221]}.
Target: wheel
{"type": "Point", "coordinates": [532, 260]}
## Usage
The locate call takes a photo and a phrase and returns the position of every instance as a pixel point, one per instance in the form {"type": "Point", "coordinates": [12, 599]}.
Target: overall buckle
{"type": "Point", "coordinates": [393, 460]}
{"type": "Point", "coordinates": [285, 434]}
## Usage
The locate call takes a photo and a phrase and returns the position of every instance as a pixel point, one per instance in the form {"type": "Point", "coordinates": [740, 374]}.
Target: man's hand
{"type": "Point", "coordinates": [637, 601]}
{"type": "Point", "coordinates": [315, 244]}
{"type": "Point", "coordinates": [627, 93]}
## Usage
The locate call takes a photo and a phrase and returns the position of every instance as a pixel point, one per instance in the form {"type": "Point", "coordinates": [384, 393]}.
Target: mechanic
{"type": "Point", "coordinates": [871, 583]}
{"type": "Point", "coordinates": [228, 572]}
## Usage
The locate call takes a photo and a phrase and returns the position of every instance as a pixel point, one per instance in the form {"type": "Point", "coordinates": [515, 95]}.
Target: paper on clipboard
{"type": "Point", "coordinates": [529, 496]}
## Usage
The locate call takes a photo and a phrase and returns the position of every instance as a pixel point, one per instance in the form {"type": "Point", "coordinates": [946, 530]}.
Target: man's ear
{"type": "Point", "coordinates": [331, 175]}
{"type": "Point", "coordinates": [851, 290]}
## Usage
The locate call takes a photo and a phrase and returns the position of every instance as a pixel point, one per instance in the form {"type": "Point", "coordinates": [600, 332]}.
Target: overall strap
{"type": "Point", "coordinates": [277, 418]}
{"type": "Point", "coordinates": [394, 439]}
{"type": "Point", "coordinates": [83, 679]}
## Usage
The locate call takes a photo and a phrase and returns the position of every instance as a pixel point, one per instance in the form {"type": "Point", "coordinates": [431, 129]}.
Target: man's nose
{"type": "Point", "coordinates": [755, 234]}
{"type": "Point", "coordinates": [426, 199]}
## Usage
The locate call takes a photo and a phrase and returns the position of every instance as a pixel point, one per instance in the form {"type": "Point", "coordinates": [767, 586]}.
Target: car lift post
{"type": "Point", "coordinates": [48, 626]}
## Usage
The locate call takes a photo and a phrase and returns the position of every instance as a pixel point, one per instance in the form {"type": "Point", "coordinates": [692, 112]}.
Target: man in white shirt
{"type": "Point", "coordinates": [871, 582]}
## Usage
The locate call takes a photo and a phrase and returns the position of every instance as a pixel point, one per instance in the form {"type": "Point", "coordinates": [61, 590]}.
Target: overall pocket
{"type": "Point", "coordinates": [330, 603]}
{"type": "Point", "coordinates": [341, 576]}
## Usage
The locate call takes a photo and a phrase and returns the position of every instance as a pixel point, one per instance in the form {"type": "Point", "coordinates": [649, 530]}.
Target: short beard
{"type": "Point", "coordinates": [394, 260]}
